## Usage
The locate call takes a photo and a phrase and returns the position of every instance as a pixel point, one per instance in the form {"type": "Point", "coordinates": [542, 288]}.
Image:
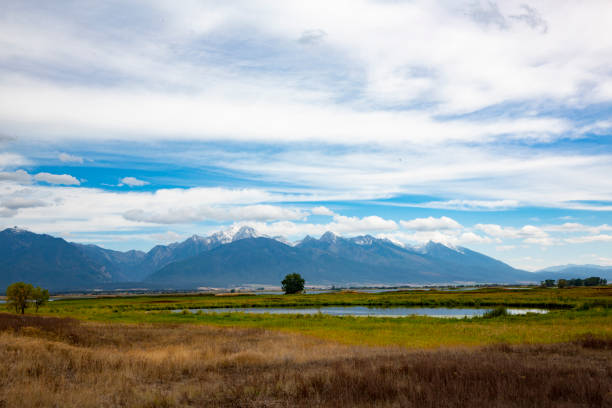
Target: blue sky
{"type": "Point", "coordinates": [473, 123]}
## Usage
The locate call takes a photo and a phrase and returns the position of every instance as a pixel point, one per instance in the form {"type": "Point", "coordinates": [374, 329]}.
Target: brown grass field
{"type": "Point", "coordinates": [62, 362]}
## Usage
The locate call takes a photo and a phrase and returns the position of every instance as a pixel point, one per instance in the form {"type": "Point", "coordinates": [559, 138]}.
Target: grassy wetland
{"type": "Point", "coordinates": [136, 351]}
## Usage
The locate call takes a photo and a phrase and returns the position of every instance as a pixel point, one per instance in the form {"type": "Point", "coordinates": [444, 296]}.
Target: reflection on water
{"type": "Point", "coordinates": [368, 311]}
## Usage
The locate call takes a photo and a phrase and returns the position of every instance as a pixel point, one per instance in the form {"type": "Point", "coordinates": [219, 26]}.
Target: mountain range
{"type": "Point", "coordinates": [240, 256]}
{"type": "Point", "coordinates": [576, 271]}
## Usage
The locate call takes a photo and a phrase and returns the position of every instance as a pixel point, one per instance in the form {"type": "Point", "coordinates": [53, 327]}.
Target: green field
{"type": "Point", "coordinates": [133, 351]}
{"type": "Point", "coordinates": [573, 312]}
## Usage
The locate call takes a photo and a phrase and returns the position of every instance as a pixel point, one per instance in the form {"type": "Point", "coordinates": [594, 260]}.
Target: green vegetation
{"type": "Point", "coordinates": [564, 283]}
{"type": "Point", "coordinates": [64, 362]}
{"type": "Point", "coordinates": [293, 283]}
{"type": "Point", "coordinates": [574, 312]}
{"type": "Point", "coordinates": [21, 295]}
{"type": "Point", "coordinates": [17, 295]}
{"type": "Point", "coordinates": [83, 352]}
{"type": "Point", "coordinates": [497, 312]}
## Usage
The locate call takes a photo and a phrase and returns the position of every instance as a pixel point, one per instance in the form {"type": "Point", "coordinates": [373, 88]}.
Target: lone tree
{"type": "Point", "coordinates": [40, 297]}
{"type": "Point", "coordinates": [18, 294]}
{"type": "Point", "coordinates": [293, 283]}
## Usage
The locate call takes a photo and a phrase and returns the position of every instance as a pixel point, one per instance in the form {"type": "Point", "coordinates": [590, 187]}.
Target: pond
{"type": "Point", "coordinates": [364, 311]}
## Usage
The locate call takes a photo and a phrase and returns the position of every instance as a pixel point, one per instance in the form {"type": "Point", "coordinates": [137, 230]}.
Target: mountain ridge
{"type": "Point", "coordinates": [241, 255]}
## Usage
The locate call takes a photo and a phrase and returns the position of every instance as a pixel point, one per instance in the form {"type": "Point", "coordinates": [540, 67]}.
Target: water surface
{"type": "Point", "coordinates": [364, 311]}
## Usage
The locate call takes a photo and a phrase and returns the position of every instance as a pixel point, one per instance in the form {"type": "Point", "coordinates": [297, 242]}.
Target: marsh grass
{"type": "Point", "coordinates": [551, 298]}
{"type": "Point", "coordinates": [569, 318]}
{"type": "Point", "coordinates": [497, 312]}
{"type": "Point", "coordinates": [67, 363]}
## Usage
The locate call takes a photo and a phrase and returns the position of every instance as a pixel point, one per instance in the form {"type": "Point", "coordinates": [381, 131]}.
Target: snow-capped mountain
{"type": "Point", "coordinates": [240, 255]}
{"type": "Point", "coordinates": [234, 233]}
{"type": "Point", "coordinates": [332, 259]}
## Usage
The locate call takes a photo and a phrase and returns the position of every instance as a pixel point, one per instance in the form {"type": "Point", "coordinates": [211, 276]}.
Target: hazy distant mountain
{"type": "Point", "coordinates": [575, 271]}
{"type": "Point", "coordinates": [47, 261]}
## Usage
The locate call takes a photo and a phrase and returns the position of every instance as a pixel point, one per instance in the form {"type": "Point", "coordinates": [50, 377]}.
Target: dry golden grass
{"type": "Point", "coordinates": [52, 362]}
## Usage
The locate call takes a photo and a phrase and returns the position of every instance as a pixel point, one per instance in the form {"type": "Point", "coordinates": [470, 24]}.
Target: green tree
{"type": "Point", "coordinates": [18, 294]}
{"type": "Point", "coordinates": [293, 283]}
{"type": "Point", "coordinates": [594, 281]}
{"type": "Point", "coordinates": [561, 283]}
{"type": "Point", "coordinates": [40, 297]}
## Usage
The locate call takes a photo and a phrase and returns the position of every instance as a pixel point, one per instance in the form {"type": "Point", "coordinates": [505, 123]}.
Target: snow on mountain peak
{"type": "Point", "coordinates": [364, 240]}
{"type": "Point", "coordinates": [432, 246]}
{"type": "Point", "coordinates": [16, 230]}
{"type": "Point", "coordinates": [245, 232]}
{"type": "Point", "coordinates": [328, 237]}
{"type": "Point", "coordinates": [235, 233]}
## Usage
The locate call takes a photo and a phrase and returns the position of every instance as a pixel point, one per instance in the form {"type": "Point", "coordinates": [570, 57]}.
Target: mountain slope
{"type": "Point", "coordinates": [46, 261]}
{"type": "Point", "coordinates": [240, 256]}
{"type": "Point", "coordinates": [258, 260]}
{"type": "Point", "coordinates": [122, 266]}
{"type": "Point", "coordinates": [575, 271]}
{"type": "Point", "coordinates": [333, 259]}
{"type": "Point", "coordinates": [463, 264]}
{"type": "Point", "coordinates": [134, 266]}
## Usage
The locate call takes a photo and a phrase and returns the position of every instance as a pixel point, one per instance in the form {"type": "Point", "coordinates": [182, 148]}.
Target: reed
{"type": "Point", "coordinates": [68, 363]}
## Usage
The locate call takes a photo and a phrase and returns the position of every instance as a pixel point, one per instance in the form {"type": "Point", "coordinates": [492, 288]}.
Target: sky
{"type": "Point", "coordinates": [482, 124]}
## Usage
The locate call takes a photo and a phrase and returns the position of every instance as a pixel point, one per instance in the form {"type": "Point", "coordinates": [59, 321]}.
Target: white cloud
{"type": "Point", "coordinates": [530, 234]}
{"type": "Point", "coordinates": [577, 227]}
{"type": "Point", "coordinates": [181, 215]}
{"type": "Point", "coordinates": [68, 158]}
{"type": "Point", "coordinates": [471, 238]}
{"type": "Point", "coordinates": [431, 224]}
{"type": "Point", "coordinates": [23, 177]}
{"type": "Point", "coordinates": [503, 248]}
{"type": "Point", "coordinates": [215, 115]}
{"type": "Point", "coordinates": [167, 237]}
{"type": "Point", "coordinates": [133, 182]}
{"type": "Point", "coordinates": [452, 238]}
{"type": "Point", "coordinates": [310, 37]}
{"type": "Point", "coordinates": [321, 210]}
{"type": "Point", "coordinates": [589, 238]}
{"type": "Point", "coordinates": [12, 160]}
{"type": "Point", "coordinates": [601, 260]}
{"type": "Point", "coordinates": [19, 176]}
{"type": "Point", "coordinates": [397, 85]}
{"type": "Point", "coordinates": [472, 205]}
{"type": "Point", "coordinates": [16, 203]}
{"type": "Point", "coordinates": [526, 232]}
{"type": "Point", "coordinates": [7, 213]}
{"type": "Point", "coordinates": [393, 66]}
{"type": "Point", "coordinates": [543, 241]}
{"type": "Point", "coordinates": [64, 179]}
{"type": "Point", "coordinates": [79, 209]}
{"type": "Point", "coordinates": [343, 224]}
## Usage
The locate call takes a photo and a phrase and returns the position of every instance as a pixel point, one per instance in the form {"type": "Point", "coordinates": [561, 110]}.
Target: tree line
{"type": "Point", "coordinates": [564, 283]}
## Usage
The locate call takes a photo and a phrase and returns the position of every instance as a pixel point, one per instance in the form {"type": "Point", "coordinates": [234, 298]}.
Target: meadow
{"type": "Point", "coordinates": [573, 312]}
{"type": "Point", "coordinates": [133, 351]}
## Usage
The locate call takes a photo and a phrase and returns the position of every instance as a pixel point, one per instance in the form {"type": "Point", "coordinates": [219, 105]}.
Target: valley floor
{"type": "Point", "coordinates": [137, 351]}
{"type": "Point", "coordinates": [48, 361]}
